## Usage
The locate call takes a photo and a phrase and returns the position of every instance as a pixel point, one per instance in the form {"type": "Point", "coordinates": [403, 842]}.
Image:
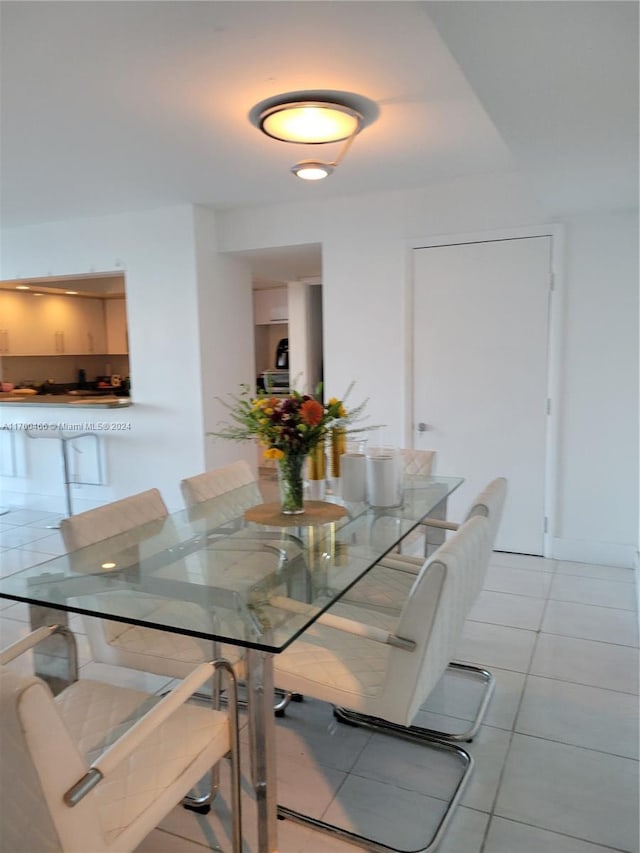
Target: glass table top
{"type": "Point", "coordinates": [209, 573]}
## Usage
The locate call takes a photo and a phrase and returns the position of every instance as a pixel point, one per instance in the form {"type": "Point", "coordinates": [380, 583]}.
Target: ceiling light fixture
{"type": "Point", "coordinates": [314, 118]}
{"type": "Point", "coordinates": [313, 122]}
{"type": "Point", "coordinates": [22, 287]}
{"type": "Point", "coordinates": [312, 170]}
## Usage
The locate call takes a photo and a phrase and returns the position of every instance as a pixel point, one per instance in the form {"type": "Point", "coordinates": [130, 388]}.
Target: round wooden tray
{"type": "Point", "coordinates": [315, 512]}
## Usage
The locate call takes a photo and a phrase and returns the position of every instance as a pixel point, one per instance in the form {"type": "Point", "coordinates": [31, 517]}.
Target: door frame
{"type": "Point", "coordinates": [555, 317]}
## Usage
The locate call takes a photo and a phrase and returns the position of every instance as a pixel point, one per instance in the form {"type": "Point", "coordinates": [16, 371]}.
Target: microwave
{"type": "Point", "coordinates": [276, 381]}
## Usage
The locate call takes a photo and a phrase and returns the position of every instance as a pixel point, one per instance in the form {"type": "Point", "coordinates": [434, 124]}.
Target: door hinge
{"type": "Point", "coordinates": [546, 524]}
{"type": "Point", "coordinates": [552, 281]}
{"type": "Point", "coordinates": [548, 405]}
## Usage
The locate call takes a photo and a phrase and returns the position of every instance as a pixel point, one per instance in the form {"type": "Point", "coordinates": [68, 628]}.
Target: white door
{"type": "Point", "coordinates": [480, 374]}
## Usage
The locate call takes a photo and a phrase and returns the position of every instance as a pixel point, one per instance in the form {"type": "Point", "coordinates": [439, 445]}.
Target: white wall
{"type": "Point", "coordinates": [155, 249]}
{"type": "Point", "coordinates": [365, 285]}
{"type": "Point", "coordinates": [225, 318]}
{"type": "Point", "coordinates": [598, 458]}
{"type": "Point", "coordinates": [181, 331]}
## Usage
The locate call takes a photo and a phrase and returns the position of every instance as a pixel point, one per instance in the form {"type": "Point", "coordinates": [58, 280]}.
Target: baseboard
{"type": "Point", "coordinates": [598, 553]}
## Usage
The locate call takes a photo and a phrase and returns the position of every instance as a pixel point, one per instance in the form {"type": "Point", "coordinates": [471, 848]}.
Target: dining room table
{"type": "Point", "coordinates": [237, 563]}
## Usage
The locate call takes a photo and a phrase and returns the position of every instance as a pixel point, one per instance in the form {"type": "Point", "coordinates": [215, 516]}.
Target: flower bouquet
{"type": "Point", "coordinates": [289, 428]}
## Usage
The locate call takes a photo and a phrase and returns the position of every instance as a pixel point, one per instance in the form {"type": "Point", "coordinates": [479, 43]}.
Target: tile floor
{"type": "Point", "coordinates": [556, 759]}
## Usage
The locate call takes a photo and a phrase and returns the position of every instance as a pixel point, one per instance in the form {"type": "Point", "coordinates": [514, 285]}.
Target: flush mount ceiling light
{"type": "Point", "coordinates": [313, 122]}
{"type": "Point", "coordinates": [314, 118]}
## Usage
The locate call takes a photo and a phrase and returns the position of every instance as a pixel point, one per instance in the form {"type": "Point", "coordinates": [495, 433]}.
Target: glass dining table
{"type": "Point", "coordinates": [237, 565]}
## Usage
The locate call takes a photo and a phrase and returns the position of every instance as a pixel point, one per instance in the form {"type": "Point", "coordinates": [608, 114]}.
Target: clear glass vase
{"type": "Point", "coordinates": [291, 480]}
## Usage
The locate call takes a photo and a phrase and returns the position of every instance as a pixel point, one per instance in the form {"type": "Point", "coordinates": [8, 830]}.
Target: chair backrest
{"type": "Point", "coordinates": [93, 526]}
{"type": "Point", "coordinates": [39, 763]}
{"type": "Point", "coordinates": [219, 481]}
{"type": "Point", "coordinates": [433, 618]}
{"type": "Point", "coordinates": [418, 462]}
{"type": "Point", "coordinates": [489, 504]}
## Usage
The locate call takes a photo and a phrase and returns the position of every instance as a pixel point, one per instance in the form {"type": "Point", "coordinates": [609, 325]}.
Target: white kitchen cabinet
{"type": "Point", "coordinates": [72, 325]}
{"type": "Point", "coordinates": [116, 321]}
{"type": "Point", "coordinates": [22, 326]}
{"type": "Point", "coordinates": [51, 324]}
{"type": "Point", "coordinates": [85, 325]}
{"type": "Point", "coordinates": [271, 305]}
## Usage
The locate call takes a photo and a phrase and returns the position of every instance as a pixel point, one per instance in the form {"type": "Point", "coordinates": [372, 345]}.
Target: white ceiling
{"type": "Point", "coordinates": [113, 106]}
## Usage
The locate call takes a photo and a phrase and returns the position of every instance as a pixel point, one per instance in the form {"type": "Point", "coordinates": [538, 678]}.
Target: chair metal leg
{"type": "Point", "coordinates": [279, 705]}
{"type": "Point", "coordinates": [371, 844]}
{"type": "Point", "coordinates": [352, 717]}
{"type": "Point", "coordinates": [203, 804]}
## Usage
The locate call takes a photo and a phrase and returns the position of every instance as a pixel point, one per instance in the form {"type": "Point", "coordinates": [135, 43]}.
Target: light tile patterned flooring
{"type": "Point", "coordinates": [556, 759]}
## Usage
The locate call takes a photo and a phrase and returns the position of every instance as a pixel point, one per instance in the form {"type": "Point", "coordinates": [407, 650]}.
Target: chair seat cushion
{"type": "Point", "coordinates": [96, 714]}
{"type": "Point", "coordinates": [151, 649]}
{"type": "Point", "coordinates": [383, 587]}
{"type": "Point", "coordinates": [344, 669]}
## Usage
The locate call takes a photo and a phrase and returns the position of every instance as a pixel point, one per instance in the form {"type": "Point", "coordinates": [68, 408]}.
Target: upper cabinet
{"type": "Point", "coordinates": [84, 327]}
{"type": "Point", "coordinates": [116, 320]}
{"type": "Point", "coordinates": [271, 306]}
{"type": "Point", "coordinates": [52, 325]}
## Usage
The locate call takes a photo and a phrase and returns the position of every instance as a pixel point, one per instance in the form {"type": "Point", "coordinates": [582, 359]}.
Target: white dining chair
{"type": "Point", "coordinates": [135, 646]}
{"type": "Point", "coordinates": [140, 646]}
{"type": "Point", "coordinates": [238, 484]}
{"type": "Point", "coordinates": [219, 481]}
{"type": "Point", "coordinates": [384, 677]}
{"type": "Point", "coordinates": [418, 462]}
{"type": "Point", "coordinates": [91, 526]}
{"type": "Point", "coordinates": [98, 767]}
{"type": "Point", "coordinates": [379, 597]}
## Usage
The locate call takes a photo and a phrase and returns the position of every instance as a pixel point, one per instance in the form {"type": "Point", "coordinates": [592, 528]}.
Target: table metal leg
{"type": "Point", "coordinates": [262, 732]}
{"type": "Point", "coordinates": [433, 536]}
{"type": "Point", "coordinates": [56, 659]}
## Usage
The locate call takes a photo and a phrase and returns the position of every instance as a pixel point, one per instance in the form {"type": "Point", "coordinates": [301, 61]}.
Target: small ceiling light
{"type": "Point", "coordinates": [108, 566]}
{"type": "Point", "coordinates": [71, 292]}
{"type": "Point", "coordinates": [314, 118]}
{"type": "Point", "coordinates": [37, 294]}
{"type": "Point", "coordinates": [312, 170]}
{"type": "Point", "coordinates": [22, 287]}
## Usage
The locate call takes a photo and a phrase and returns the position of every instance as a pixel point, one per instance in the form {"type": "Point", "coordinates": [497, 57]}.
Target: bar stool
{"type": "Point", "coordinates": [65, 437]}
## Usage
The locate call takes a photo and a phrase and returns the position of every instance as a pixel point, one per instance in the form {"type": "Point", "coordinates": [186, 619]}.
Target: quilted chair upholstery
{"type": "Point", "coordinates": [98, 767]}
{"type": "Point", "coordinates": [113, 518]}
{"type": "Point", "coordinates": [385, 676]}
{"type": "Point", "coordinates": [418, 462]}
{"type": "Point", "coordinates": [212, 484]}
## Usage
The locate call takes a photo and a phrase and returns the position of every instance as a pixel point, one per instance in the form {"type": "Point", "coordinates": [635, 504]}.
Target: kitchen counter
{"type": "Point", "coordinates": [65, 401]}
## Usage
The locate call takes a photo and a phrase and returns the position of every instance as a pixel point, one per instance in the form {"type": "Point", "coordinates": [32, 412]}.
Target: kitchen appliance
{"type": "Point", "coordinates": [275, 381]}
{"type": "Point", "coordinates": [282, 354]}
